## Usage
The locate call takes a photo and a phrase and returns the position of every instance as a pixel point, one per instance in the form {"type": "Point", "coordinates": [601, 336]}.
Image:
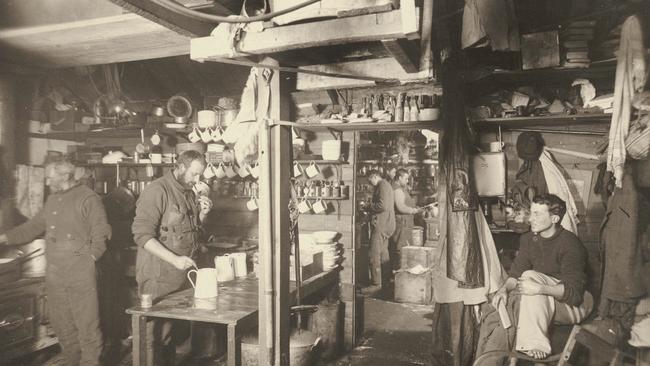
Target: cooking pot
{"type": "Point", "coordinates": [226, 116]}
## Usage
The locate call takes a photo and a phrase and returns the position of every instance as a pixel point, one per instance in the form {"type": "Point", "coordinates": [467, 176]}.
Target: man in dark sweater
{"type": "Point", "coordinates": [382, 209]}
{"type": "Point", "coordinates": [74, 222]}
{"type": "Point", "coordinates": [549, 274]}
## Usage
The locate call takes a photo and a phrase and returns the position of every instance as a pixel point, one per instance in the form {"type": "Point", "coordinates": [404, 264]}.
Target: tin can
{"type": "Point", "coordinates": [146, 301]}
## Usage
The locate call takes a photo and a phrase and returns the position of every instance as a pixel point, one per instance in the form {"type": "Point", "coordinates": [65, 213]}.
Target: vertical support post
{"type": "Point", "coordinates": [281, 169]}
{"type": "Point", "coordinates": [265, 217]}
{"type": "Point", "coordinates": [425, 37]}
{"type": "Point", "coordinates": [7, 147]}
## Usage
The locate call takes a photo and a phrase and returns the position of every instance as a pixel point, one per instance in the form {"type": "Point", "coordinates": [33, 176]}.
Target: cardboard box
{"type": "Point", "coordinates": [540, 50]}
{"type": "Point", "coordinates": [413, 288]}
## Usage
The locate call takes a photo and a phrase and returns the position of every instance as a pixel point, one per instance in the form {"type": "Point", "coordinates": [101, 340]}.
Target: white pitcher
{"type": "Point", "coordinates": [206, 282]}
{"type": "Point", "coordinates": [225, 268]}
{"type": "Point", "coordinates": [240, 264]}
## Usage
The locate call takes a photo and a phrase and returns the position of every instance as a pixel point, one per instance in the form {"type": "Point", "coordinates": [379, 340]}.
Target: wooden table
{"type": "Point", "coordinates": [237, 309]}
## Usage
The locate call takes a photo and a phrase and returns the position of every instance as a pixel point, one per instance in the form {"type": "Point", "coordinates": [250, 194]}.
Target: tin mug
{"type": "Point", "coordinates": [220, 171]}
{"type": "Point", "coordinates": [230, 172]}
{"type": "Point", "coordinates": [251, 204]}
{"type": "Point", "coordinates": [194, 136]}
{"type": "Point", "coordinates": [312, 170]}
{"type": "Point", "coordinates": [319, 206]}
{"type": "Point", "coordinates": [206, 135]}
{"type": "Point", "coordinates": [209, 171]}
{"type": "Point", "coordinates": [255, 170]}
{"type": "Point", "coordinates": [217, 134]}
{"type": "Point", "coordinates": [244, 170]}
{"type": "Point", "coordinates": [304, 206]}
{"type": "Point", "coordinates": [297, 170]}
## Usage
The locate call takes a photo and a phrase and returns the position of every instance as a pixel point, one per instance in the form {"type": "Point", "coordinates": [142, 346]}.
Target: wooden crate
{"type": "Point", "coordinates": [413, 288]}
{"type": "Point", "coordinates": [412, 256]}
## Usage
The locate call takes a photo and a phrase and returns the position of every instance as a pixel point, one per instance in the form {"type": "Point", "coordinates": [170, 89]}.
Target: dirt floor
{"type": "Point", "coordinates": [395, 335]}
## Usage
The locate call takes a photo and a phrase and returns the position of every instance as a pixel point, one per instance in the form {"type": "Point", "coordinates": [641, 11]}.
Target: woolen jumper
{"type": "Point", "coordinates": [562, 256]}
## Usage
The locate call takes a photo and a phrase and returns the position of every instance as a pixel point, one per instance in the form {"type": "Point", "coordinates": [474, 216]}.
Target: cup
{"type": "Point", "coordinates": [209, 171]}
{"type": "Point", "coordinates": [206, 135]}
{"type": "Point", "coordinates": [244, 170]}
{"type": "Point", "coordinates": [217, 134]}
{"type": "Point", "coordinates": [304, 206]}
{"type": "Point", "coordinates": [201, 188]}
{"type": "Point", "coordinates": [319, 206]}
{"type": "Point", "coordinates": [251, 204]}
{"type": "Point", "coordinates": [497, 146]}
{"type": "Point", "coordinates": [194, 136]}
{"type": "Point", "coordinates": [297, 170]}
{"type": "Point", "coordinates": [312, 170]}
{"type": "Point", "coordinates": [255, 170]}
{"type": "Point", "coordinates": [230, 172]}
{"type": "Point", "coordinates": [220, 172]}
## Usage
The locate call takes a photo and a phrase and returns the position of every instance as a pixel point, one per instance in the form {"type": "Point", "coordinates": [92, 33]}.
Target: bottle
{"type": "Point", "coordinates": [399, 108]}
{"type": "Point", "coordinates": [415, 111]}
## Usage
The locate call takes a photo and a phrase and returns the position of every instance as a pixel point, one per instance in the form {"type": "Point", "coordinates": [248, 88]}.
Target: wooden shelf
{"type": "Point", "coordinates": [109, 133]}
{"type": "Point", "coordinates": [101, 165]}
{"type": "Point", "coordinates": [372, 126]}
{"type": "Point", "coordinates": [550, 120]}
{"type": "Point", "coordinates": [599, 71]}
{"type": "Point", "coordinates": [333, 162]}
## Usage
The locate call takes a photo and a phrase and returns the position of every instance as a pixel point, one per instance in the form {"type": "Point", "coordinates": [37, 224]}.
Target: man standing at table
{"type": "Point", "coordinates": [165, 229]}
{"type": "Point", "coordinates": [382, 209]}
{"type": "Point", "coordinates": [75, 226]}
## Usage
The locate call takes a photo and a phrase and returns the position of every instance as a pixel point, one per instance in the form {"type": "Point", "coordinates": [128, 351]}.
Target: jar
{"type": "Point", "coordinates": [326, 191]}
{"type": "Point", "coordinates": [417, 236]}
{"type": "Point", "coordinates": [336, 191]}
{"type": "Point", "coordinates": [345, 191]}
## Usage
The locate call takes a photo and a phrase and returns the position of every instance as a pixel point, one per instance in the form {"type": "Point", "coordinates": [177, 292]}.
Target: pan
{"type": "Point", "coordinates": [120, 200]}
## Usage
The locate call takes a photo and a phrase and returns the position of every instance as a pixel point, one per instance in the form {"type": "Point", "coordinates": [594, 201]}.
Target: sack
{"type": "Point", "coordinates": [637, 142]}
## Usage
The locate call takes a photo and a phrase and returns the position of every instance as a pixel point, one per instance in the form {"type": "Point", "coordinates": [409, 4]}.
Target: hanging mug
{"type": "Point", "coordinates": [251, 204]}
{"type": "Point", "coordinates": [304, 206]}
{"type": "Point", "coordinates": [255, 170]}
{"type": "Point", "coordinates": [194, 136]}
{"type": "Point", "coordinates": [217, 134]}
{"type": "Point", "coordinates": [209, 171]}
{"type": "Point", "coordinates": [319, 206]}
{"type": "Point", "coordinates": [230, 172]}
{"type": "Point", "coordinates": [297, 169]}
{"type": "Point", "coordinates": [312, 170]}
{"type": "Point", "coordinates": [244, 170]}
{"type": "Point", "coordinates": [220, 172]}
{"type": "Point", "coordinates": [206, 135]}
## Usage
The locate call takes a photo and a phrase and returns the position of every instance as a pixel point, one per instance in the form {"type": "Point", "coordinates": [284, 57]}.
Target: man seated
{"type": "Point", "coordinates": [549, 274]}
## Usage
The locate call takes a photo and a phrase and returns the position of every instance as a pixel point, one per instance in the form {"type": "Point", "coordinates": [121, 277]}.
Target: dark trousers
{"type": "Point", "coordinates": [71, 286]}
{"type": "Point", "coordinates": [380, 271]}
{"type": "Point", "coordinates": [400, 238]}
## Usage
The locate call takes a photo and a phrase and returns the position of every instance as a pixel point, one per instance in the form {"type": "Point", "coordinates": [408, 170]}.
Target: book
{"type": "Point", "coordinates": [575, 64]}
{"type": "Point", "coordinates": [574, 60]}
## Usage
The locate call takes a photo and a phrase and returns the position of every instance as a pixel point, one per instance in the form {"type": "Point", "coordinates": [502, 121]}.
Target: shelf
{"type": "Point", "coordinates": [101, 165]}
{"type": "Point", "coordinates": [551, 120]}
{"type": "Point", "coordinates": [332, 162]}
{"type": "Point", "coordinates": [108, 133]}
{"type": "Point", "coordinates": [372, 126]}
{"type": "Point", "coordinates": [600, 71]}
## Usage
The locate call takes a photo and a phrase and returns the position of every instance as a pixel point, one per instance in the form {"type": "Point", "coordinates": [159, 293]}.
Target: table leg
{"type": "Point", "coordinates": [139, 328]}
{"type": "Point", "coordinates": [234, 346]}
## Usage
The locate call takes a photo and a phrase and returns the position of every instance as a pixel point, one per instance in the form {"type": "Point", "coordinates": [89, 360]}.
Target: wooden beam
{"type": "Point", "coordinates": [404, 53]}
{"type": "Point", "coordinates": [365, 28]}
{"type": "Point", "coordinates": [120, 38]}
{"type": "Point", "coordinates": [179, 23]}
{"type": "Point", "coordinates": [384, 68]}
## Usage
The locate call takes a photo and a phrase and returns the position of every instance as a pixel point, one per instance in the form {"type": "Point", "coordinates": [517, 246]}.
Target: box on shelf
{"type": "Point", "coordinates": [64, 120]}
{"type": "Point", "coordinates": [540, 50]}
{"type": "Point", "coordinates": [413, 288]}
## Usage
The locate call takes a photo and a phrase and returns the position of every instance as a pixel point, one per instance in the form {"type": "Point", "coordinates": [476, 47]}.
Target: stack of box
{"type": "Point", "coordinates": [574, 40]}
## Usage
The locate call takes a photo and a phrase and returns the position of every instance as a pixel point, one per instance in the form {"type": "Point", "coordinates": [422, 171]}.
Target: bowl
{"type": "Point", "coordinates": [324, 236]}
{"type": "Point", "coordinates": [429, 114]}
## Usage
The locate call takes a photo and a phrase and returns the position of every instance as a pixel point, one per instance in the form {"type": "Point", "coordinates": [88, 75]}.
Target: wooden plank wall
{"type": "Point", "coordinates": [591, 216]}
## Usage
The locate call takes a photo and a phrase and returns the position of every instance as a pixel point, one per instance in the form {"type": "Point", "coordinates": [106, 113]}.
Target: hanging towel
{"type": "Point", "coordinates": [558, 186]}
{"type": "Point", "coordinates": [630, 79]}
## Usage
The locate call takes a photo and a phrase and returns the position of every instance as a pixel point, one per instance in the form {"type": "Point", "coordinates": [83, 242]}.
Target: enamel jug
{"type": "Point", "coordinates": [225, 268]}
{"type": "Point", "coordinates": [206, 282]}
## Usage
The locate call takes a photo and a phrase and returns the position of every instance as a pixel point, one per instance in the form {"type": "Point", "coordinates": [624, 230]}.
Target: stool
{"type": "Point", "coordinates": [597, 347]}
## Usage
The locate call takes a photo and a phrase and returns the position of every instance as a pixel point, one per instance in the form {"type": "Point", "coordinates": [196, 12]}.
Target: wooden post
{"type": "Point", "coordinates": [265, 273]}
{"type": "Point", "coordinates": [425, 37]}
{"type": "Point", "coordinates": [7, 148]}
{"type": "Point", "coordinates": [281, 169]}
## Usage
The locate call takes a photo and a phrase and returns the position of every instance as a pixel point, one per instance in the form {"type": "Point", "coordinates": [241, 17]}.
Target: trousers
{"type": "Point", "coordinates": [73, 308]}
{"type": "Point", "coordinates": [537, 312]}
{"type": "Point", "coordinates": [380, 269]}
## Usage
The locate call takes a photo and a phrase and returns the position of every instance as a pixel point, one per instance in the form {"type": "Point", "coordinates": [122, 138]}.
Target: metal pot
{"type": "Point", "coordinates": [158, 111]}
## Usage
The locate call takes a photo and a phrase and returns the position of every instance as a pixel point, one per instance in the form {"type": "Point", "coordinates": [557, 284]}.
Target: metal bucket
{"type": "Point", "coordinates": [417, 236]}
{"type": "Point", "coordinates": [328, 322]}
{"type": "Point", "coordinates": [302, 346]}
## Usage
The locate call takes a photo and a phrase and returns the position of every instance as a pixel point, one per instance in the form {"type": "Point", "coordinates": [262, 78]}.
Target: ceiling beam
{"type": "Point", "coordinates": [405, 53]}
{"type": "Point", "coordinates": [179, 23]}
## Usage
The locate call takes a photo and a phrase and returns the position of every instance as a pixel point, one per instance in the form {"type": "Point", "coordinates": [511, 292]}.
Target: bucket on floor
{"type": "Point", "coordinates": [328, 322]}
{"type": "Point", "coordinates": [36, 264]}
{"type": "Point", "coordinates": [302, 347]}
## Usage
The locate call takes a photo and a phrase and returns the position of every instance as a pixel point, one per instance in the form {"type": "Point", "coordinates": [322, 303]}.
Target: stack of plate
{"type": "Point", "coordinates": [331, 255]}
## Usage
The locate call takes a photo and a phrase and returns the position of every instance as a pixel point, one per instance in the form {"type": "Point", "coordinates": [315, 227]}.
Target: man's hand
{"type": "Point", "coordinates": [499, 296]}
{"type": "Point", "coordinates": [182, 263]}
{"type": "Point", "coordinates": [529, 287]}
{"type": "Point", "coordinates": [205, 207]}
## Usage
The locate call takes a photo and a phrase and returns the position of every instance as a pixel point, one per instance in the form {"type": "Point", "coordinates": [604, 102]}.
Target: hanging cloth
{"type": "Point", "coordinates": [630, 79]}
{"type": "Point", "coordinates": [30, 189]}
{"type": "Point", "coordinates": [558, 186]}
{"type": "Point", "coordinates": [490, 23]}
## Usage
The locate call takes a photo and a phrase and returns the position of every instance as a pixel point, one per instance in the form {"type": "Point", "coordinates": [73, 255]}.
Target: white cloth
{"type": "Point", "coordinates": [630, 79]}
{"type": "Point", "coordinates": [558, 186]}
{"type": "Point", "coordinates": [30, 188]}
{"type": "Point", "coordinates": [490, 22]}
{"type": "Point", "coordinates": [538, 311]}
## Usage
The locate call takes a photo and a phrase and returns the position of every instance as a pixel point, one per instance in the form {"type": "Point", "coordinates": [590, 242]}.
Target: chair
{"type": "Point", "coordinates": [598, 347]}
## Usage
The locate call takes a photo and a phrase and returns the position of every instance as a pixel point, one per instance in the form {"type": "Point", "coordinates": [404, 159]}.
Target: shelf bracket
{"type": "Point", "coordinates": [337, 134]}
